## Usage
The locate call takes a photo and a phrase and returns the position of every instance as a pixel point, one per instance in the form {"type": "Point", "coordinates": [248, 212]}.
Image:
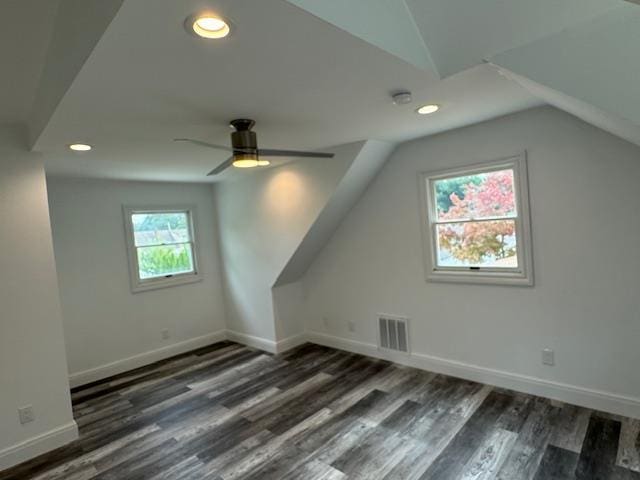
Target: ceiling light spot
{"type": "Point", "coordinates": [245, 160]}
{"type": "Point", "coordinates": [264, 163]}
{"type": "Point", "coordinates": [80, 147]}
{"type": "Point", "coordinates": [208, 26]}
{"type": "Point", "coordinates": [428, 109]}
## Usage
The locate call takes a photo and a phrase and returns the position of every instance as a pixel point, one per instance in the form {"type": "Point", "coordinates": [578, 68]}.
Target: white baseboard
{"type": "Point", "coordinates": [142, 359]}
{"type": "Point", "coordinates": [38, 445]}
{"type": "Point", "coordinates": [267, 345]}
{"type": "Point", "coordinates": [252, 341]}
{"type": "Point", "coordinates": [290, 342]}
{"type": "Point", "coordinates": [584, 397]}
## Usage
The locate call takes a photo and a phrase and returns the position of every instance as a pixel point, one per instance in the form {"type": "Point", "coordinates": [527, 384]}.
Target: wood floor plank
{"type": "Point", "coordinates": [228, 412]}
{"type": "Point", "coordinates": [629, 448]}
{"type": "Point", "coordinates": [557, 464]}
{"type": "Point", "coordinates": [571, 428]}
{"type": "Point", "coordinates": [531, 443]}
{"type": "Point", "coordinates": [451, 462]}
{"type": "Point", "coordinates": [599, 452]}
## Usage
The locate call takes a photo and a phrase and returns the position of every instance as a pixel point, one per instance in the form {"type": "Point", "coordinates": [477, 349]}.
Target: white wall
{"type": "Point", "coordinates": [584, 305]}
{"type": "Point", "coordinates": [104, 321]}
{"type": "Point", "coordinates": [262, 218]}
{"type": "Point", "coordinates": [33, 367]}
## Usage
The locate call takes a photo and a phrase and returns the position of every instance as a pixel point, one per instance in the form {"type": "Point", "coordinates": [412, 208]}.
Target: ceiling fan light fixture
{"type": "Point", "coordinates": [245, 160]}
{"type": "Point", "coordinates": [208, 25]}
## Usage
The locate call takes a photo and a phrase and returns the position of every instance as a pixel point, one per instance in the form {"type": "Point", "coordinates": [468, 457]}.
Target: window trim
{"type": "Point", "coordinates": [143, 285]}
{"type": "Point", "coordinates": [523, 275]}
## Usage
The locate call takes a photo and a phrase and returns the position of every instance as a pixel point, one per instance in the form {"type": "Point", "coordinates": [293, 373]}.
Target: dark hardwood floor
{"type": "Point", "coordinates": [230, 412]}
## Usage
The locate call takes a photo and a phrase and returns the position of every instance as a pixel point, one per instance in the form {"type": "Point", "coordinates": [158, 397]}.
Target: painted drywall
{"type": "Point", "coordinates": [287, 292]}
{"type": "Point", "coordinates": [584, 305]}
{"type": "Point", "coordinates": [387, 24]}
{"type": "Point", "coordinates": [79, 25]}
{"type": "Point", "coordinates": [33, 368]}
{"type": "Point", "coordinates": [104, 321]}
{"type": "Point", "coordinates": [578, 61]}
{"type": "Point", "coordinates": [263, 217]}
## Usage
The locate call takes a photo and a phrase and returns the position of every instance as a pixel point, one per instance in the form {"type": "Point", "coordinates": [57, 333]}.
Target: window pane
{"type": "Point", "coordinates": [164, 260]}
{"type": "Point", "coordinates": [483, 195]}
{"type": "Point", "coordinates": [477, 244]}
{"type": "Point", "coordinates": [160, 228]}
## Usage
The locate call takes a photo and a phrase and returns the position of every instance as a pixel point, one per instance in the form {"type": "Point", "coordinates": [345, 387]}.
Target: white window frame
{"type": "Point", "coordinates": [520, 276]}
{"type": "Point", "coordinates": [141, 285]}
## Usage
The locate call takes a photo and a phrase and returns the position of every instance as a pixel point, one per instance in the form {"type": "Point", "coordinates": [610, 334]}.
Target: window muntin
{"type": "Point", "coordinates": [161, 247]}
{"type": "Point", "coordinates": [477, 224]}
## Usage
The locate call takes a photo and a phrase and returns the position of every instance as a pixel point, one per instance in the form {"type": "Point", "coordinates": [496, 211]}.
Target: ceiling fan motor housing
{"type": "Point", "coordinates": [243, 138]}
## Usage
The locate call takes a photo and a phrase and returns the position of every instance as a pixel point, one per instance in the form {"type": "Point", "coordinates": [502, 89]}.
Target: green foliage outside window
{"type": "Point", "coordinates": [164, 260]}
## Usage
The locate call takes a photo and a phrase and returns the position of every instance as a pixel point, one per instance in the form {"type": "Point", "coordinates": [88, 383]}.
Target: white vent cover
{"type": "Point", "coordinates": [393, 333]}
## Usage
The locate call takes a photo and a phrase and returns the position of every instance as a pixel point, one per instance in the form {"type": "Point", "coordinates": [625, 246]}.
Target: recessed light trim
{"type": "Point", "coordinates": [80, 147]}
{"type": "Point", "coordinates": [207, 25]}
{"type": "Point", "coordinates": [428, 109]}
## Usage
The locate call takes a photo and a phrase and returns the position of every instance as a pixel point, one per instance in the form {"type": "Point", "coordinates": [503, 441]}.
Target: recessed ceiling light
{"type": "Point", "coordinates": [208, 26]}
{"type": "Point", "coordinates": [264, 163]}
{"type": "Point", "coordinates": [427, 109]}
{"type": "Point", "coordinates": [80, 147]}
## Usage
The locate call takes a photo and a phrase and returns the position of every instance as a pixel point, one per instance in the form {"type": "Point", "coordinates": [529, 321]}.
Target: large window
{"type": "Point", "coordinates": [162, 249]}
{"type": "Point", "coordinates": [476, 224]}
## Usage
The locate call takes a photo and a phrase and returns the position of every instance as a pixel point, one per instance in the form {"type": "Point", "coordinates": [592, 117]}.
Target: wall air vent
{"type": "Point", "coordinates": [393, 333]}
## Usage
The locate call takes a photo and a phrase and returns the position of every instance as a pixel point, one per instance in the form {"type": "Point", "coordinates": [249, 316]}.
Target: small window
{"type": "Point", "coordinates": [162, 249]}
{"type": "Point", "coordinates": [476, 226]}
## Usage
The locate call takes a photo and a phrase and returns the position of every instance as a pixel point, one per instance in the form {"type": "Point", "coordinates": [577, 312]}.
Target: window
{"type": "Point", "coordinates": [476, 224]}
{"type": "Point", "coordinates": [162, 250]}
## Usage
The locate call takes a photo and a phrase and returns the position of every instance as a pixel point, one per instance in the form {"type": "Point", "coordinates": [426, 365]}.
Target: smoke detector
{"type": "Point", "coordinates": [402, 98]}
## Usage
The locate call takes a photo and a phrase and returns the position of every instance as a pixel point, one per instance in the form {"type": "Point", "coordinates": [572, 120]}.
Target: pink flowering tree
{"type": "Point", "coordinates": [489, 200]}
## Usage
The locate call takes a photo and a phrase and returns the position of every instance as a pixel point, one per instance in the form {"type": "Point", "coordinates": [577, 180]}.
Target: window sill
{"type": "Point", "coordinates": [165, 283]}
{"type": "Point", "coordinates": [481, 278]}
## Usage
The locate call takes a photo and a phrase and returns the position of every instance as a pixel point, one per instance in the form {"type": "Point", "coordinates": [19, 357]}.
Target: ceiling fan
{"type": "Point", "coordinates": [245, 151]}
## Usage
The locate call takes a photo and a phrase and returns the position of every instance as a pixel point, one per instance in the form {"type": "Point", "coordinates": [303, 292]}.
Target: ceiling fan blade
{"type": "Point", "coordinates": [204, 144]}
{"type": "Point", "coordinates": [223, 166]}
{"type": "Point", "coordinates": [270, 152]}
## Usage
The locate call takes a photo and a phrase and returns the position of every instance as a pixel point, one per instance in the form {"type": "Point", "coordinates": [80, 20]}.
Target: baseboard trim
{"type": "Point", "coordinates": [267, 345]}
{"type": "Point", "coordinates": [290, 342]}
{"type": "Point", "coordinates": [114, 368]}
{"type": "Point", "coordinates": [38, 445]}
{"type": "Point", "coordinates": [584, 397]}
{"type": "Point", "coordinates": [252, 341]}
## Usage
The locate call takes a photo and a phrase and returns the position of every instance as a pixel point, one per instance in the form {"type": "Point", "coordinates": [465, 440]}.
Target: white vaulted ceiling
{"type": "Point", "coordinates": [307, 84]}
{"type": "Point", "coordinates": [126, 77]}
{"type": "Point", "coordinates": [579, 55]}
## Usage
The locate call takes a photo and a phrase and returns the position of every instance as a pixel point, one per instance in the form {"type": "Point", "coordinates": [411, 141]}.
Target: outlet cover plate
{"type": "Point", "coordinates": [26, 414]}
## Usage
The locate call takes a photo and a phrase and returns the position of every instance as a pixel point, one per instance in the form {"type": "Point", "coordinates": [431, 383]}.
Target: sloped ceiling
{"type": "Point", "coordinates": [461, 34]}
{"type": "Point", "coordinates": [597, 61]}
{"type": "Point", "coordinates": [584, 52]}
{"type": "Point", "coordinates": [311, 72]}
{"type": "Point", "coordinates": [22, 67]}
{"type": "Point", "coordinates": [387, 24]}
{"type": "Point", "coordinates": [307, 83]}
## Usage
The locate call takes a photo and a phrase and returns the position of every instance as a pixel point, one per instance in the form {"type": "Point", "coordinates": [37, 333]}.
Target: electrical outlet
{"type": "Point", "coordinates": [548, 357]}
{"type": "Point", "coordinates": [351, 326]}
{"type": "Point", "coordinates": [165, 334]}
{"type": "Point", "coordinates": [26, 414]}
